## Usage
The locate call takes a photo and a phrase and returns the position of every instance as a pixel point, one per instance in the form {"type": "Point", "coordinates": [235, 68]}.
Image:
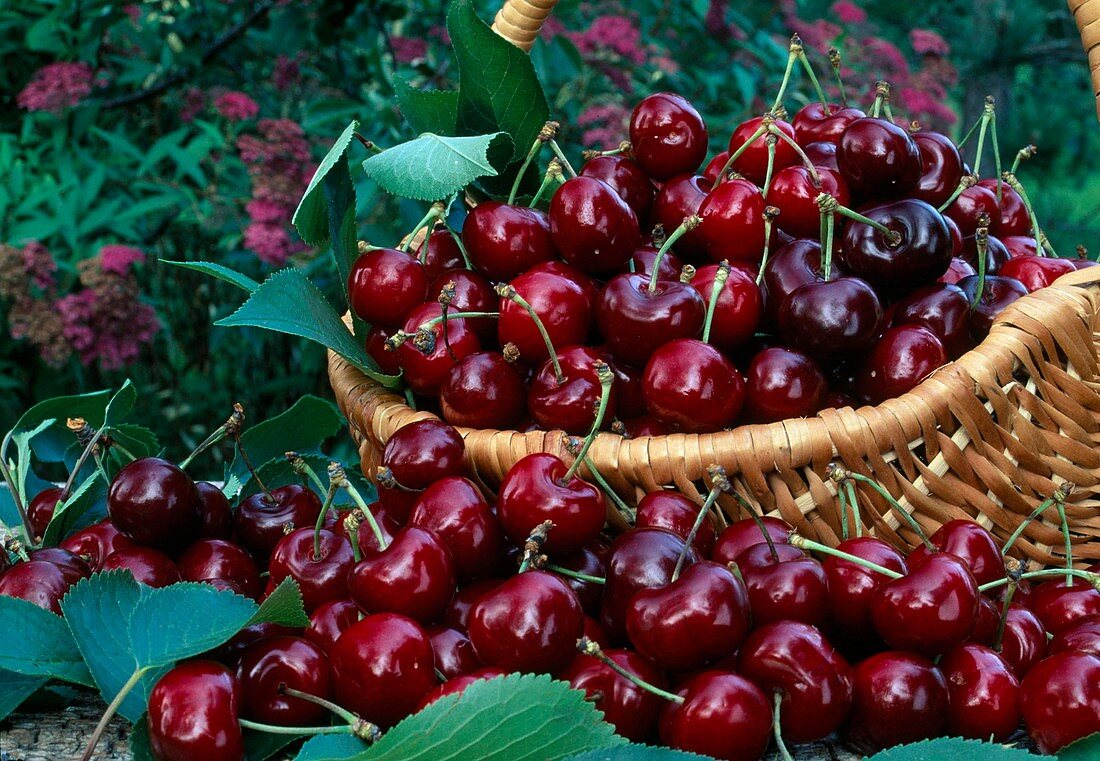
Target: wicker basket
{"type": "Point", "coordinates": [986, 437]}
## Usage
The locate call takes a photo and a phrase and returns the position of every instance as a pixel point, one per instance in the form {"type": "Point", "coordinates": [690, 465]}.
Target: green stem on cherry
{"type": "Point", "coordinates": [553, 177]}
{"type": "Point", "coordinates": [330, 493]}
{"type": "Point", "coordinates": [1025, 153]}
{"type": "Point", "coordinates": [575, 574]}
{"type": "Point", "coordinates": [597, 476]}
{"type": "Point", "coordinates": [271, 729]}
{"type": "Point", "coordinates": [809, 544]}
{"type": "Point", "coordinates": [532, 548]}
{"type": "Point", "coordinates": [983, 127]}
{"type": "Point", "coordinates": [812, 75]}
{"type": "Point", "coordinates": [1067, 540]}
{"type": "Point", "coordinates": [882, 96]}
{"type": "Point", "coordinates": [435, 212]}
{"type": "Point", "coordinates": [337, 475]}
{"type": "Point", "coordinates": [834, 64]}
{"type": "Point", "coordinates": [1059, 494]}
{"type": "Point", "coordinates": [112, 709]}
{"type": "Point", "coordinates": [792, 55]}
{"type": "Point", "coordinates": [805, 159]}
{"type": "Point", "coordinates": [689, 224]}
{"type": "Point", "coordinates": [591, 648]}
{"type": "Point", "coordinates": [1041, 242]}
{"type": "Point", "coordinates": [998, 641]}
{"type": "Point", "coordinates": [506, 291]}
{"type": "Point", "coordinates": [853, 500]}
{"type": "Point", "coordinates": [719, 483]}
{"type": "Point", "coordinates": [777, 730]}
{"type": "Point", "coordinates": [720, 278]}
{"type": "Point", "coordinates": [561, 157]}
{"type": "Point", "coordinates": [770, 213]}
{"type": "Point", "coordinates": [723, 173]}
{"type": "Point", "coordinates": [759, 521]}
{"type": "Point", "coordinates": [841, 497]}
{"type": "Point", "coordinates": [90, 439]}
{"type": "Point", "coordinates": [769, 140]}
{"type": "Point", "coordinates": [300, 467]}
{"type": "Point", "coordinates": [828, 202]}
{"type": "Point", "coordinates": [328, 705]}
{"type": "Point", "coordinates": [895, 506]}
{"type": "Point", "coordinates": [548, 131]}
{"type": "Point", "coordinates": [965, 182]}
{"type": "Point", "coordinates": [606, 378]}
{"type": "Point", "coordinates": [1092, 578]}
{"type": "Point", "coordinates": [981, 245]}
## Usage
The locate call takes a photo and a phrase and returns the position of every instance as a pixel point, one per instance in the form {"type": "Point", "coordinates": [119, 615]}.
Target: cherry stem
{"type": "Point", "coordinates": [834, 64]}
{"type": "Point", "coordinates": [461, 247]}
{"type": "Point", "coordinates": [1092, 578]}
{"type": "Point", "coordinates": [343, 713]}
{"type": "Point", "coordinates": [547, 132]}
{"type": "Point", "coordinates": [506, 291]}
{"type": "Point", "coordinates": [1058, 495]}
{"type": "Point", "coordinates": [689, 224]}
{"type": "Point", "coordinates": [720, 278]}
{"type": "Point", "coordinates": [603, 372]}
{"type": "Point", "coordinates": [532, 548]}
{"type": "Point", "coordinates": [853, 501]}
{"type": "Point", "coordinates": [553, 176]}
{"type": "Point", "coordinates": [299, 465]}
{"type": "Point", "coordinates": [1041, 242]}
{"type": "Point", "coordinates": [370, 145]}
{"type": "Point", "coordinates": [16, 498]}
{"type": "Point", "coordinates": [770, 213]}
{"type": "Point", "coordinates": [1068, 541]}
{"type": "Point", "coordinates": [719, 483]}
{"type": "Point", "coordinates": [271, 729]}
{"type": "Point", "coordinates": [809, 544]}
{"type": "Point", "coordinates": [843, 500]}
{"type": "Point", "coordinates": [998, 641]}
{"type": "Point", "coordinates": [1027, 152]}
{"type": "Point", "coordinates": [759, 521]}
{"type": "Point", "coordinates": [813, 80]}
{"type": "Point", "coordinates": [329, 494]}
{"type": "Point", "coordinates": [91, 439]}
{"type": "Point", "coordinates": [112, 709]}
{"type": "Point", "coordinates": [806, 162]}
{"type": "Point", "coordinates": [770, 142]}
{"type": "Point", "coordinates": [248, 464]}
{"type": "Point", "coordinates": [893, 237]}
{"type": "Point", "coordinates": [965, 182]}
{"type": "Point", "coordinates": [591, 648]}
{"type": "Point", "coordinates": [987, 118]}
{"type": "Point", "coordinates": [575, 574]}
{"type": "Point", "coordinates": [337, 475]}
{"type": "Point", "coordinates": [760, 131]}
{"type": "Point", "coordinates": [792, 55]}
{"type": "Point", "coordinates": [429, 324]}
{"type": "Point", "coordinates": [434, 213]}
{"type": "Point", "coordinates": [561, 157]}
{"type": "Point", "coordinates": [777, 730]}
{"type": "Point", "coordinates": [981, 244]}
{"type": "Point", "coordinates": [895, 505]}
{"type": "Point", "coordinates": [574, 443]}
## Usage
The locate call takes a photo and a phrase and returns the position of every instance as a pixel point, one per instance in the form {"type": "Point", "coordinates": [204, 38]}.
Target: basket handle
{"type": "Point", "coordinates": [519, 21]}
{"type": "Point", "coordinates": [1087, 15]}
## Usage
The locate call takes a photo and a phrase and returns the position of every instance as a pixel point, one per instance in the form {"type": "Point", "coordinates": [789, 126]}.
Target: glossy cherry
{"type": "Point", "coordinates": [852, 587]}
{"type": "Point", "coordinates": [920, 253]}
{"type": "Point", "coordinates": [997, 294]}
{"type": "Point", "coordinates": [148, 566]}
{"type": "Point", "coordinates": [220, 559]}
{"type": "Point", "coordinates": [40, 509]}
{"type": "Point", "coordinates": [667, 135]}
{"type": "Point", "coordinates": [375, 345]}
{"type": "Point", "coordinates": [483, 390]}
{"type": "Point", "coordinates": [457, 615]}
{"type": "Point", "coordinates": [1024, 245]}
{"type": "Point", "coordinates": [878, 159]}
{"type": "Point", "coordinates": [929, 610]}
{"type": "Point", "coordinates": [821, 154]}
{"type": "Point", "coordinates": [678, 199]}
{"type": "Point", "coordinates": [454, 653]}
{"type": "Point", "coordinates": [983, 692]}
{"type": "Point", "coordinates": [941, 308]}
{"type": "Point", "coordinates": [783, 383]}
{"type": "Point", "coordinates": [413, 576]}
{"type": "Point", "coordinates": [385, 285]}
{"type": "Point", "coordinates": [384, 518]}
{"type": "Point", "coordinates": [957, 270]}
{"type": "Point", "coordinates": [504, 240]}
{"type": "Point", "coordinates": [457, 685]}
{"type": "Point", "coordinates": [972, 203]}
{"type": "Point", "coordinates": [1014, 219]}
{"type": "Point", "coordinates": [1060, 700]}
{"type": "Point", "coordinates": [629, 400]}
{"type": "Point", "coordinates": [723, 715]}
{"type": "Point", "coordinates": [155, 503]}
{"type": "Point", "coordinates": [744, 534]}
{"type": "Point", "coordinates": [971, 543]}
{"type": "Point", "coordinates": [438, 252]}
{"type": "Point", "coordinates": [593, 228]}
{"type": "Point", "coordinates": [424, 451]}
{"type": "Point", "coordinates": [626, 178]}
{"type": "Point", "coordinates": [901, 359]}
{"type": "Point", "coordinates": [691, 385]}
{"type": "Point", "coordinates": [641, 558]}
{"type": "Point", "coordinates": [589, 561]}
{"type": "Point", "coordinates": [1059, 607]}
{"type": "Point", "coordinates": [1025, 641]}
{"type": "Point", "coordinates": [456, 512]}
{"type": "Point", "coordinates": [193, 712]}
{"type": "Point", "coordinates": [96, 542]}
{"type": "Point", "coordinates": [739, 309]}
{"type": "Point", "coordinates": [271, 664]}
{"type": "Point", "coordinates": [831, 318]}
{"type": "Point", "coordinates": [427, 364]}
{"type": "Point", "coordinates": [674, 512]}
{"type": "Point", "coordinates": [941, 168]}
{"type": "Point", "coordinates": [794, 193]}
{"type": "Point", "coordinates": [329, 621]}
{"type": "Point", "coordinates": [753, 161]}
{"type": "Point", "coordinates": [321, 577]}
{"type": "Point", "coordinates": [899, 698]}
{"type": "Point", "coordinates": [1036, 272]}
{"type": "Point", "coordinates": [562, 306]}
{"type": "Point", "coordinates": [632, 710]}
{"type": "Point", "coordinates": [812, 124]}
{"type": "Point", "coordinates": [38, 581]}
{"type": "Point", "coordinates": [996, 253]}
{"type": "Point", "coordinates": [472, 293]}
{"type": "Point", "coordinates": [668, 267]}
{"type": "Point", "coordinates": [260, 522]}
{"type": "Point", "coordinates": [792, 586]}
{"type": "Point", "coordinates": [791, 266]}
{"type": "Point", "coordinates": [733, 222]}
{"type": "Point", "coordinates": [1083, 636]}
{"type": "Point", "coordinates": [635, 321]}
{"type": "Point", "coordinates": [568, 404]}
{"type": "Point", "coordinates": [533, 491]}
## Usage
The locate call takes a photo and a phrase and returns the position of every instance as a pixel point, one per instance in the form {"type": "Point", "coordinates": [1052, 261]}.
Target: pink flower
{"type": "Point", "coordinates": [715, 20]}
{"type": "Point", "coordinates": [848, 12]}
{"type": "Point", "coordinates": [927, 42]}
{"type": "Point", "coordinates": [816, 35]}
{"type": "Point", "coordinates": [605, 125]}
{"type": "Point", "coordinates": [408, 49]}
{"type": "Point", "coordinates": [885, 59]}
{"type": "Point", "coordinates": [106, 322]}
{"type": "Point", "coordinates": [285, 73]}
{"type": "Point", "coordinates": [267, 211]}
{"type": "Point", "coordinates": [39, 265]}
{"type": "Point", "coordinates": [194, 101]}
{"type": "Point", "coordinates": [56, 87]}
{"type": "Point", "coordinates": [236, 106]}
{"type": "Point", "coordinates": [270, 242]}
{"type": "Point", "coordinates": [117, 259]}
{"type": "Point", "coordinates": [616, 34]}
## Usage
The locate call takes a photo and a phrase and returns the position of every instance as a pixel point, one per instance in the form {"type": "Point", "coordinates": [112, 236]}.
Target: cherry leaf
{"type": "Point", "coordinates": [955, 747]}
{"type": "Point", "coordinates": [37, 643]}
{"type": "Point", "coordinates": [433, 167]}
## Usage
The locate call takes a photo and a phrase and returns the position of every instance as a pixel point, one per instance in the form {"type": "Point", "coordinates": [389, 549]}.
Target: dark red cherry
{"type": "Point", "coordinates": [996, 253]}
{"type": "Point", "coordinates": [944, 310]}
{"type": "Point", "coordinates": [155, 503]}
{"type": "Point", "coordinates": [1014, 219]}
{"type": "Point", "coordinates": [878, 159]}
{"type": "Point", "coordinates": [668, 268]}
{"type": "Point", "coordinates": [997, 294]}
{"type": "Point", "coordinates": [733, 222]}
{"type": "Point", "coordinates": [852, 587]}
{"type": "Point", "coordinates": [219, 559]}
{"type": "Point", "coordinates": [667, 135]}
{"type": "Point", "coordinates": [753, 161]}
{"type": "Point", "coordinates": [794, 659]}
{"type": "Point", "coordinates": [229, 653]}
{"type": "Point", "coordinates": [388, 525]}
{"type": "Point", "coordinates": [956, 237]}
{"type": "Point", "coordinates": [381, 667]}
{"type": "Point", "coordinates": [533, 491]}
{"type": "Point", "coordinates": [321, 577]}
{"type": "Point", "coordinates": [217, 516]}
{"type": "Point", "coordinates": [456, 512]}
{"type": "Point", "coordinates": [899, 698]}
{"type": "Point", "coordinates": [562, 306]}
{"type": "Point", "coordinates": [635, 321]}
{"type": "Point", "coordinates": [920, 254]}
{"type": "Point", "coordinates": [792, 588]}
{"type": "Point", "coordinates": [1083, 636]}
{"type": "Point", "coordinates": [457, 615]}
{"type": "Point", "coordinates": [831, 318]}
{"type": "Point", "coordinates": [504, 240]}
{"type": "Point", "coordinates": [424, 451]}
{"type": "Point", "coordinates": [813, 125]}
{"type": "Point", "coordinates": [793, 192]}
{"type": "Point", "coordinates": [589, 561]}
{"type": "Point", "coordinates": [40, 510]}
{"type": "Point", "coordinates": [193, 712]}
{"type": "Point", "coordinates": [898, 361]}
{"type": "Point", "coordinates": [723, 715]}
{"type": "Point", "coordinates": [592, 226]}
{"type": "Point", "coordinates": [1024, 642]}
{"type": "Point", "coordinates": [530, 623]}
{"type": "Point", "coordinates": [696, 620]}
{"type": "Point", "coordinates": [439, 252]}
{"type": "Point", "coordinates": [783, 383]}
{"type": "Point", "coordinates": [674, 512]}
{"type": "Point", "coordinates": [689, 384]}
{"type": "Point", "coordinates": [678, 199]}
{"type": "Point", "coordinates": [38, 581]}
{"type": "Point", "coordinates": [929, 610]}
{"type": "Point", "coordinates": [472, 293]}
{"type": "Point", "coordinates": [427, 365]}
{"type": "Point", "coordinates": [413, 576]}
{"type": "Point", "coordinates": [629, 399]}
{"type": "Point", "coordinates": [987, 622]}
{"type": "Point", "coordinates": [1036, 272]}
{"type": "Point", "coordinates": [568, 404]}
{"type": "Point", "coordinates": [96, 542]}
{"type": "Point", "coordinates": [1059, 607]}
{"type": "Point", "coordinates": [821, 155]}
{"type": "Point", "coordinates": [260, 523]}
{"type": "Point", "coordinates": [970, 205]}
{"type": "Point", "coordinates": [273, 663]}
{"type": "Point", "coordinates": [714, 166]}
{"type": "Point", "coordinates": [626, 178]}
{"type": "Point", "coordinates": [454, 653]}
{"type": "Point", "coordinates": [969, 542]}
{"type": "Point", "coordinates": [646, 425]}
{"type": "Point", "coordinates": [983, 693]}
{"type": "Point", "coordinates": [483, 390]}
{"type": "Point", "coordinates": [739, 309]}
{"type": "Point", "coordinates": [632, 710]}
{"type": "Point", "coordinates": [457, 685]}
{"type": "Point", "coordinates": [329, 621]}
{"type": "Point", "coordinates": [69, 562]}
{"type": "Point", "coordinates": [743, 534]}
{"type": "Point", "coordinates": [941, 168]}
{"type": "Point", "coordinates": [385, 285]}
{"type": "Point", "coordinates": [791, 266]}
{"type": "Point", "coordinates": [641, 558]}
{"type": "Point", "coordinates": [1060, 700]}
{"type": "Point", "coordinates": [148, 566]}
{"type": "Point", "coordinates": [957, 270]}
{"type": "Point", "coordinates": [375, 344]}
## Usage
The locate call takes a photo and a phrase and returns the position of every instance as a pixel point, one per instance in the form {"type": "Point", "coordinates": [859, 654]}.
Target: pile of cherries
{"type": "Point", "coordinates": [832, 260]}
{"type": "Point", "coordinates": [703, 636]}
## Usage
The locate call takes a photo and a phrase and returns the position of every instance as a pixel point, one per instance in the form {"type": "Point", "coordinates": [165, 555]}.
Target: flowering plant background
{"type": "Point", "coordinates": [187, 130]}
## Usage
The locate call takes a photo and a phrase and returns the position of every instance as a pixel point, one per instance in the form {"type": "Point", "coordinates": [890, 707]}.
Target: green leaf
{"type": "Point", "coordinates": [331, 748]}
{"type": "Point", "coordinates": [433, 167]}
{"type": "Point", "coordinates": [68, 515]}
{"type": "Point", "coordinates": [140, 747]}
{"type": "Point", "coordinates": [15, 688]}
{"type": "Point", "coordinates": [302, 428]}
{"type": "Point", "coordinates": [427, 110]}
{"type": "Point", "coordinates": [122, 402]}
{"type": "Point", "coordinates": [498, 86]}
{"type": "Point", "coordinates": [511, 718]}
{"type": "Point", "coordinates": [138, 440]}
{"type": "Point", "coordinates": [37, 643]}
{"type": "Point", "coordinates": [283, 607]}
{"type": "Point", "coordinates": [955, 747]}
{"type": "Point", "coordinates": [259, 746]}
{"type": "Point", "coordinates": [287, 302]}
{"type": "Point", "coordinates": [634, 752]}
{"type": "Point", "coordinates": [1085, 749]}
{"type": "Point", "coordinates": [311, 218]}
{"type": "Point", "coordinates": [233, 277]}
{"type": "Point", "coordinates": [342, 226]}
{"type": "Point", "coordinates": [89, 406]}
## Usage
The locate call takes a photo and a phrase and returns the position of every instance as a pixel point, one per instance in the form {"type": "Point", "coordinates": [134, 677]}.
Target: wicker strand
{"type": "Point", "coordinates": [1087, 15]}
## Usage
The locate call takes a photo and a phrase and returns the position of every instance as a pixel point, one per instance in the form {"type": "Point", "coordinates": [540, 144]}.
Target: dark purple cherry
{"type": "Point", "coordinates": [504, 240]}
{"type": "Point", "coordinates": [941, 168]}
{"type": "Point", "coordinates": [919, 253]}
{"type": "Point", "coordinates": [942, 309]}
{"type": "Point", "coordinates": [636, 321]}
{"type": "Point", "coordinates": [783, 383]}
{"type": "Point", "coordinates": [901, 359]}
{"type": "Point", "coordinates": [997, 294]}
{"type": "Point", "coordinates": [193, 712]}
{"type": "Point", "coordinates": [878, 159]}
{"type": "Point", "coordinates": [831, 318]}
{"type": "Point", "coordinates": [983, 692]}
{"type": "Point", "coordinates": [261, 522]}
{"type": "Point", "coordinates": [155, 503]}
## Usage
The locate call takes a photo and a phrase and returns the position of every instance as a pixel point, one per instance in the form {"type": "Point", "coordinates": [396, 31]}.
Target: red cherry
{"type": "Point", "coordinates": [740, 305]}
{"type": "Point", "coordinates": [592, 226]}
{"type": "Point", "coordinates": [40, 510]}
{"type": "Point", "coordinates": [821, 155]}
{"type": "Point", "coordinates": [957, 270]}
{"type": "Point", "coordinates": [483, 390]}
{"type": "Point", "coordinates": [816, 682]}
{"type": "Point", "coordinates": [96, 542]}
{"type": "Point", "coordinates": [744, 534]}
{"type": "Point", "coordinates": [425, 368]}
{"type": "Point", "coordinates": [942, 309]}
{"type": "Point", "coordinates": [1014, 219]}
{"type": "Point", "coordinates": [641, 558]}
{"type": "Point", "coordinates": [667, 136]}
{"type": "Point", "coordinates": [852, 587]}
{"type": "Point", "coordinates": [423, 452]}
{"type": "Point", "coordinates": [381, 667]}
{"type": "Point", "coordinates": [217, 516]}
{"type": "Point", "coordinates": [1060, 700]}
{"type": "Point", "coordinates": [375, 344]}
{"type": "Point", "coordinates": [723, 715]}
{"type": "Point", "coordinates": [783, 383]}
{"type": "Point", "coordinates": [668, 268]}
{"type": "Point", "coordinates": [792, 587]}
{"type": "Point", "coordinates": [504, 240]}
{"type": "Point", "coordinates": [472, 293]}
{"type": "Point", "coordinates": [646, 425]}
{"type": "Point", "coordinates": [812, 125]}
{"type": "Point", "coordinates": [456, 512]}
{"type": "Point", "coordinates": [714, 166]}
{"type": "Point", "coordinates": [148, 566]}
{"type": "Point", "coordinates": [733, 222]}
{"type": "Point", "coordinates": [155, 503]}
{"type": "Point", "coordinates": [1021, 245]}
{"type": "Point", "coordinates": [388, 526]}
{"type": "Point", "coordinates": [1059, 607]}
{"type": "Point", "coordinates": [753, 161]}
{"type": "Point", "coordinates": [271, 664]}
{"type": "Point", "coordinates": [626, 178]}
{"type": "Point", "coordinates": [533, 491]}
{"type": "Point", "coordinates": [996, 254]}
{"type": "Point", "coordinates": [457, 685]}
{"type": "Point", "coordinates": [793, 192]}
{"type": "Point", "coordinates": [629, 399]}
{"type": "Point", "coordinates": [899, 698]}
{"type": "Point", "coordinates": [689, 384]}
{"type": "Point", "coordinates": [1036, 272]}
{"type": "Point", "coordinates": [1024, 642]}
{"type": "Point", "coordinates": [261, 523]}
{"type": "Point", "coordinates": [457, 615]}
{"type": "Point", "coordinates": [321, 577]}
{"type": "Point", "coordinates": [970, 205]}
{"type": "Point", "coordinates": [413, 576]}
{"type": "Point", "coordinates": [898, 361]}
{"type": "Point", "coordinates": [454, 653]}
{"type": "Point", "coordinates": [831, 318]}
{"type": "Point", "coordinates": [329, 621]}
{"type": "Point", "coordinates": [630, 709]}
{"type": "Point", "coordinates": [969, 542]}
{"type": "Point", "coordinates": [678, 199]}
{"type": "Point", "coordinates": [193, 713]}
{"type": "Point", "coordinates": [38, 581]}
{"type": "Point", "coordinates": [791, 266]}
{"type": "Point", "coordinates": [589, 561]}
{"type": "Point", "coordinates": [385, 285]}
{"type": "Point", "coordinates": [878, 159]}
{"type": "Point", "coordinates": [929, 610]}
{"type": "Point", "coordinates": [674, 512]}
{"type": "Point", "coordinates": [997, 294]}
{"type": "Point", "coordinates": [1083, 636]}
{"type": "Point", "coordinates": [941, 168]}
{"type": "Point", "coordinates": [439, 252]}
{"type": "Point", "coordinates": [920, 254]}
{"type": "Point", "coordinates": [530, 623]}
{"type": "Point", "coordinates": [636, 321]}
{"type": "Point", "coordinates": [983, 692]}
{"type": "Point", "coordinates": [568, 404]}
{"type": "Point", "coordinates": [218, 559]}
{"type": "Point", "coordinates": [562, 306]}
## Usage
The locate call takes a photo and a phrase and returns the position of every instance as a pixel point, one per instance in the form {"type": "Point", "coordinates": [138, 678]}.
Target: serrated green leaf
{"type": "Point", "coordinates": [70, 514]}
{"type": "Point", "coordinates": [138, 440]}
{"type": "Point", "coordinates": [182, 620]}
{"type": "Point", "coordinates": [22, 441]}
{"type": "Point", "coordinates": [427, 110]}
{"type": "Point", "coordinates": [311, 218]}
{"type": "Point", "coordinates": [283, 606]}
{"type": "Point", "coordinates": [512, 718]}
{"type": "Point", "coordinates": [1085, 749]}
{"type": "Point", "coordinates": [37, 643]}
{"type": "Point", "coordinates": [342, 226]}
{"type": "Point", "coordinates": [90, 406]}
{"type": "Point", "coordinates": [287, 302]}
{"type": "Point", "coordinates": [955, 747]}
{"type": "Point", "coordinates": [122, 402]}
{"type": "Point", "coordinates": [433, 167]}
{"type": "Point", "coordinates": [498, 86]}
{"type": "Point", "coordinates": [302, 428]}
{"type": "Point", "coordinates": [634, 752]}
{"type": "Point", "coordinates": [233, 277]}
{"type": "Point", "coordinates": [15, 688]}
{"type": "Point", "coordinates": [331, 748]}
